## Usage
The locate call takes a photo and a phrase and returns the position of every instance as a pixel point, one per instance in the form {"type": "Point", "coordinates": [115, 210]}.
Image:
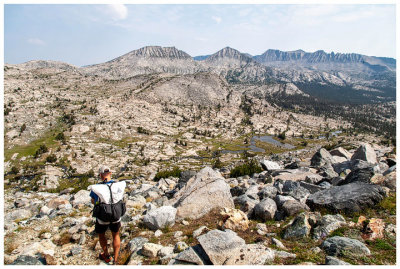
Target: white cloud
{"type": "Point", "coordinates": [118, 11]}
{"type": "Point", "coordinates": [217, 19]}
{"type": "Point", "coordinates": [36, 41]}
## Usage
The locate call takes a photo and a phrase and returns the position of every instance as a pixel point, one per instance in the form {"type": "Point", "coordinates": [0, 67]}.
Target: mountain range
{"type": "Point", "coordinates": [333, 76]}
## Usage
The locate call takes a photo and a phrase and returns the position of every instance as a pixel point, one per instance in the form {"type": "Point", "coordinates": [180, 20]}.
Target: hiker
{"type": "Point", "coordinates": [103, 194]}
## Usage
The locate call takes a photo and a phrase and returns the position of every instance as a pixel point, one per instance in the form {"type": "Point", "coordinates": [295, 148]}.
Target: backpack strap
{"type": "Point", "coordinates": [109, 187]}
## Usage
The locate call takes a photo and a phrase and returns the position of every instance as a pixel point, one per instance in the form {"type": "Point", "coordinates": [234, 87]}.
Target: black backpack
{"type": "Point", "coordinates": [109, 212]}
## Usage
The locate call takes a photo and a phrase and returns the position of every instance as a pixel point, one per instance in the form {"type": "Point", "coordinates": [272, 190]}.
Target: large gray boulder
{"type": "Point", "coordinates": [328, 224]}
{"type": "Point", "coordinates": [270, 165]}
{"type": "Point", "coordinates": [18, 214]}
{"type": "Point", "coordinates": [343, 246]}
{"type": "Point", "coordinates": [81, 198]}
{"type": "Point", "coordinates": [221, 246]}
{"type": "Point", "coordinates": [366, 153]}
{"type": "Point", "coordinates": [268, 191]}
{"type": "Point", "coordinates": [194, 255]}
{"type": "Point", "coordinates": [202, 193]}
{"type": "Point", "coordinates": [265, 210]}
{"type": "Point", "coordinates": [292, 207]}
{"type": "Point", "coordinates": [160, 218]}
{"type": "Point", "coordinates": [352, 197]}
{"type": "Point", "coordinates": [340, 152]}
{"type": "Point", "coordinates": [246, 204]}
{"type": "Point", "coordinates": [299, 228]}
{"type": "Point", "coordinates": [26, 260]}
{"type": "Point", "coordinates": [321, 157]}
{"type": "Point", "coordinates": [359, 175]}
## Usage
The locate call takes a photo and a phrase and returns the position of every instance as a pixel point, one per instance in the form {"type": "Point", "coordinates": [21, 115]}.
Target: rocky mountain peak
{"type": "Point", "coordinates": [229, 52]}
{"type": "Point", "coordinates": [158, 52]}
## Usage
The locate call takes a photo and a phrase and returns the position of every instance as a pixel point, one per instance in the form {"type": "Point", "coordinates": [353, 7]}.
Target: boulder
{"type": "Point", "coordinates": [351, 197]}
{"type": "Point", "coordinates": [252, 254]}
{"type": "Point", "coordinates": [343, 246]}
{"type": "Point", "coordinates": [366, 153]}
{"type": "Point", "coordinates": [26, 260]}
{"type": "Point", "coordinates": [245, 204]}
{"type": "Point", "coordinates": [270, 165]}
{"type": "Point", "coordinates": [329, 260]}
{"type": "Point", "coordinates": [81, 198]}
{"type": "Point", "coordinates": [194, 255]}
{"type": "Point", "coordinates": [359, 175]}
{"type": "Point", "coordinates": [328, 224]}
{"type": "Point", "coordinates": [292, 207]}
{"type": "Point", "coordinates": [55, 203]}
{"type": "Point", "coordinates": [281, 199]}
{"type": "Point", "coordinates": [136, 244]}
{"type": "Point", "coordinates": [200, 231]}
{"type": "Point", "coordinates": [300, 194]}
{"type": "Point", "coordinates": [16, 215]}
{"type": "Point", "coordinates": [221, 246]}
{"type": "Point", "coordinates": [165, 251]}
{"type": "Point", "coordinates": [268, 191]}
{"type": "Point", "coordinates": [234, 219]}
{"type": "Point", "coordinates": [150, 250]}
{"type": "Point", "coordinates": [299, 228]}
{"type": "Point", "coordinates": [321, 157]}
{"type": "Point", "coordinates": [252, 192]}
{"type": "Point", "coordinates": [373, 229]}
{"type": "Point", "coordinates": [202, 193]}
{"type": "Point", "coordinates": [160, 218]}
{"type": "Point", "coordinates": [237, 191]}
{"type": "Point", "coordinates": [265, 210]}
{"type": "Point", "coordinates": [312, 188]}
{"type": "Point", "coordinates": [340, 152]}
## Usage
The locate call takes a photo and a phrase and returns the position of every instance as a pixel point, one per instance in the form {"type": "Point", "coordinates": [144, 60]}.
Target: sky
{"type": "Point", "coordinates": [89, 34]}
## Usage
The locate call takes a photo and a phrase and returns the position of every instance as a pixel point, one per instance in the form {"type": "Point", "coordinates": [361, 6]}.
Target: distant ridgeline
{"type": "Point", "coordinates": [293, 79]}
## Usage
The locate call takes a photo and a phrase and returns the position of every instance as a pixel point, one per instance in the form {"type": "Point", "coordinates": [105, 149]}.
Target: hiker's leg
{"type": "Point", "coordinates": [116, 245]}
{"type": "Point", "coordinates": [103, 243]}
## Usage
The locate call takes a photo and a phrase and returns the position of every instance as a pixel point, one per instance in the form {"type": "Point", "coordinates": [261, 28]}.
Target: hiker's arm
{"type": "Point", "coordinates": [92, 201]}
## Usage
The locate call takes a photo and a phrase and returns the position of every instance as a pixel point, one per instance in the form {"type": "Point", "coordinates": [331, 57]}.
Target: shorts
{"type": "Point", "coordinates": [100, 228]}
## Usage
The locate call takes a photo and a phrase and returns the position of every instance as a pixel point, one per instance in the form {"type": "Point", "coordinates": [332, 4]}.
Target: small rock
{"type": "Point", "coordinates": [178, 234]}
{"type": "Point", "coordinates": [234, 219]}
{"type": "Point", "coordinates": [180, 246]}
{"type": "Point", "coordinates": [278, 243]}
{"type": "Point", "coordinates": [329, 260]}
{"type": "Point", "coordinates": [150, 250]}
{"type": "Point", "coordinates": [200, 231]}
{"type": "Point", "coordinates": [76, 250]}
{"type": "Point", "coordinates": [284, 254]}
{"type": "Point", "coordinates": [165, 251]}
{"type": "Point", "coordinates": [158, 233]}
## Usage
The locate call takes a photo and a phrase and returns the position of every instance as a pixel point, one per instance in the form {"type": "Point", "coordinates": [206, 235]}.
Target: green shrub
{"type": "Point", "coordinates": [60, 136]}
{"type": "Point", "coordinates": [217, 163]}
{"type": "Point", "coordinates": [175, 172]}
{"type": "Point", "coordinates": [248, 168]}
{"type": "Point", "coordinates": [51, 158]}
{"type": "Point", "coordinates": [14, 170]}
{"type": "Point", "coordinates": [282, 136]}
{"type": "Point", "coordinates": [42, 149]}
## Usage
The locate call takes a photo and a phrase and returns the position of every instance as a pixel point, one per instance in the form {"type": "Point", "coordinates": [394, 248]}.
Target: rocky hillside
{"type": "Point", "coordinates": [335, 208]}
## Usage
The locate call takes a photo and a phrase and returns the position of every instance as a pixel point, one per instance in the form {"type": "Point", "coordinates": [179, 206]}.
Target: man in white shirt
{"type": "Point", "coordinates": [101, 226]}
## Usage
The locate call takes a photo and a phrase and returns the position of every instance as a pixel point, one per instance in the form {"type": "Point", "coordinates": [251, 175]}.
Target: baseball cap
{"type": "Point", "coordinates": [104, 169]}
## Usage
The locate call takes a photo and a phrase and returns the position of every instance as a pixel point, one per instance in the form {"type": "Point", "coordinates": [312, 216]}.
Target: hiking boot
{"type": "Point", "coordinates": [103, 257]}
